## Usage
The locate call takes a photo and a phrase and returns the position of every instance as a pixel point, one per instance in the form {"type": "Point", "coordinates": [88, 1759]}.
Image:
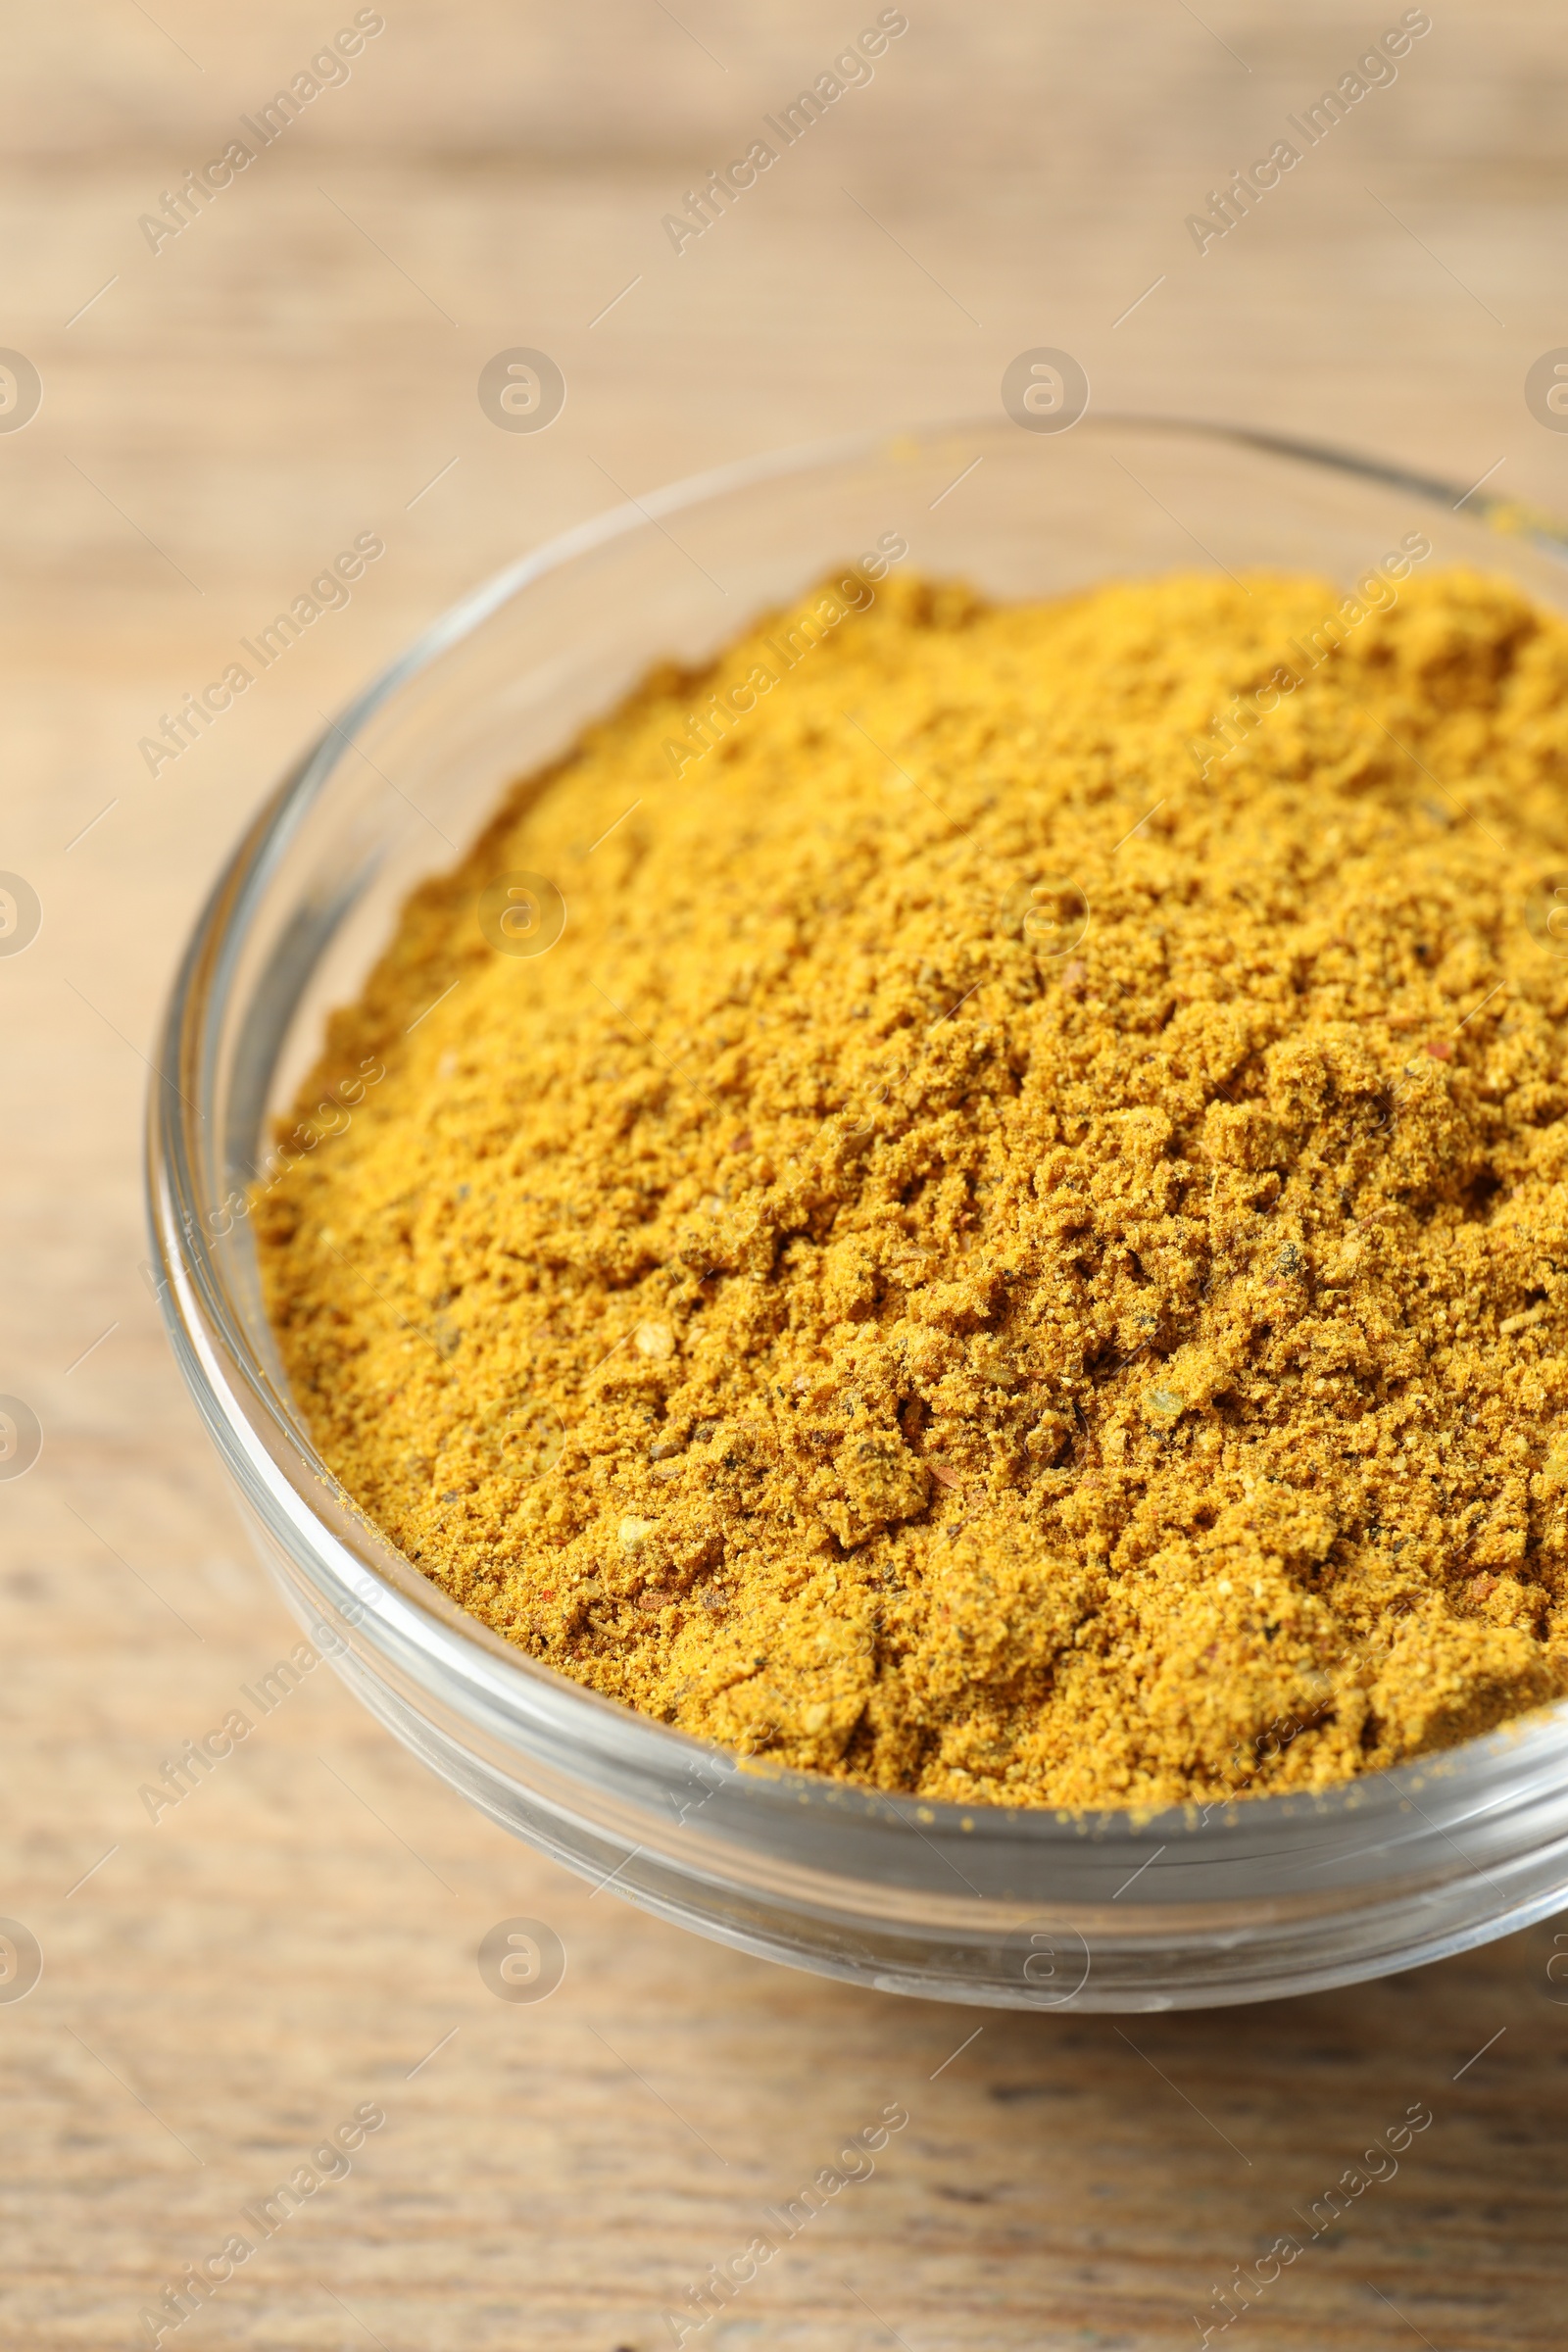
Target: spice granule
{"type": "Point", "coordinates": [987, 1261]}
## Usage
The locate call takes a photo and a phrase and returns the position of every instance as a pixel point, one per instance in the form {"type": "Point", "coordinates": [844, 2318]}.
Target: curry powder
{"type": "Point", "coordinates": [1015, 1248]}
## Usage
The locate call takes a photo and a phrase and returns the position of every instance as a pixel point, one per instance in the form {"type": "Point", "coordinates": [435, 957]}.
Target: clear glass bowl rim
{"type": "Point", "coordinates": [297, 1494]}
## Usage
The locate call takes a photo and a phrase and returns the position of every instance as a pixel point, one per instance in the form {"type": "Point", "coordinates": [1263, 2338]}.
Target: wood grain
{"type": "Point", "coordinates": [297, 366]}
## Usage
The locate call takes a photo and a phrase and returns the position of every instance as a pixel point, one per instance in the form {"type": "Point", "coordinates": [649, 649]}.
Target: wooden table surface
{"type": "Point", "coordinates": [219, 417]}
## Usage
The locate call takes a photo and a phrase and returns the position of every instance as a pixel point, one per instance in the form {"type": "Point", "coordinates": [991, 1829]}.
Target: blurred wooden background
{"type": "Point", "coordinates": [219, 418]}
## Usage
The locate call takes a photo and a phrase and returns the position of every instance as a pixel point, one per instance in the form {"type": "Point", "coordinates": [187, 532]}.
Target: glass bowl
{"type": "Point", "coordinates": [1020, 1909]}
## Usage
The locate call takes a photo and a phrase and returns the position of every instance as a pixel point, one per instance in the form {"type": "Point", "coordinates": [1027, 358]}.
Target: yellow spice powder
{"type": "Point", "coordinates": [986, 1260]}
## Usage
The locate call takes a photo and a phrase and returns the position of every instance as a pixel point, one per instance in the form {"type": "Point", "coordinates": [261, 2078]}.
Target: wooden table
{"type": "Point", "coordinates": [219, 417]}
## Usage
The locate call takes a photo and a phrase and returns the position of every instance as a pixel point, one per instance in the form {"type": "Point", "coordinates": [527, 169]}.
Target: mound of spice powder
{"type": "Point", "coordinates": [1008, 1251]}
